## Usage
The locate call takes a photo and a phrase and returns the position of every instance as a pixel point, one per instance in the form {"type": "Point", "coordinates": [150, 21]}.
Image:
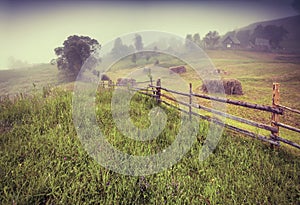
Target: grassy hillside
{"type": "Point", "coordinates": [42, 161]}
{"type": "Point", "coordinates": [14, 81]}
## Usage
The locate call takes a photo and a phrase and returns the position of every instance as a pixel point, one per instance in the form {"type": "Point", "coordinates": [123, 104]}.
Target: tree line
{"type": "Point", "coordinates": [77, 49]}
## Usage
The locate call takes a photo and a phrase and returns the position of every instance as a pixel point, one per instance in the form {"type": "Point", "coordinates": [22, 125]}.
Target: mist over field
{"type": "Point", "coordinates": [32, 29]}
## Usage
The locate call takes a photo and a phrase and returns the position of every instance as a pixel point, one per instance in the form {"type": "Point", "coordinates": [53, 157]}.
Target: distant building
{"type": "Point", "coordinates": [231, 42]}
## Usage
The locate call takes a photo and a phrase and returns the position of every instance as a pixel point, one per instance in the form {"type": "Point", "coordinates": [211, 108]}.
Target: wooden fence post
{"type": "Point", "coordinates": [158, 90]}
{"type": "Point", "coordinates": [151, 84]}
{"type": "Point", "coordinates": [190, 102]}
{"type": "Point", "coordinates": [275, 104]}
{"type": "Point", "coordinates": [151, 81]}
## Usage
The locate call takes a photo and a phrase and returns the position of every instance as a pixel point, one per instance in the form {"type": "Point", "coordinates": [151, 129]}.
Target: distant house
{"type": "Point", "coordinates": [261, 44]}
{"type": "Point", "coordinates": [231, 42]}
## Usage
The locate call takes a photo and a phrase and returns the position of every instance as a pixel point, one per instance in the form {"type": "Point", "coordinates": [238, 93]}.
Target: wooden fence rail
{"type": "Point", "coordinates": [229, 101]}
{"type": "Point", "coordinates": [289, 109]}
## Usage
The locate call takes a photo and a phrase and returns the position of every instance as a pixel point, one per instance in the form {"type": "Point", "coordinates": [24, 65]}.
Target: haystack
{"type": "Point", "coordinates": [230, 86]}
{"type": "Point", "coordinates": [126, 82]}
{"type": "Point", "coordinates": [177, 69]}
{"type": "Point", "coordinates": [105, 77]}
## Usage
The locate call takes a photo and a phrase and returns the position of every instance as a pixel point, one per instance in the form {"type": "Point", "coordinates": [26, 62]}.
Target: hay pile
{"type": "Point", "coordinates": [177, 69]}
{"type": "Point", "coordinates": [126, 82]}
{"type": "Point", "coordinates": [105, 77]}
{"type": "Point", "coordinates": [230, 86]}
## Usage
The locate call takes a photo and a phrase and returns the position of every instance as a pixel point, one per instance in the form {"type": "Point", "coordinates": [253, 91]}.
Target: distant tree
{"type": "Point", "coordinates": [211, 39]}
{"type": "Point", "coordinates": [296, 5]}
{"type": "Point", "coordinates": [155, 51]}
{"type": "Point", "coordinates": [131, 48]}
{"type": "Point", "coordinates": [189, 41]}
{"type": "Point", "coordinates": [149, 55]}
{"type": "Point", "coordinates": [75, 51]}
{"type": "Point", "coordinates": [134, 58]}
{"type": "Point", "coordinates": [258, 33]}
{"type": "Point", "coordinates": [119, 49]}
{"type": "Point", "coordinates": [53, 62]}
{"type": "Point", "coordinates": [138, 42]}
{"type": "Point", "coordinates": [275, 34]}
{"type": "Point", "coordinates": [244, 37]}
{"type": "Point", "coordinates": [196, 39]}
{"type": "Point", "coordinates": [175, 43]}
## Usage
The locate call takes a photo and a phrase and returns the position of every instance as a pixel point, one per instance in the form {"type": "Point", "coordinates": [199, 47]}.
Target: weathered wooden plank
{"type": "Point", "coordinates": [289, 142]}
{"type": "Point", "coordinates": [172, 91]}
{"type": "Point", "coordinates": [289, 109]}
{"type": "Point", "coordinates": [275, 103]}
{"type": "Point", "coordinates": [286, 126]}
{"type": "Point", "coordinates": [158, 90]}
{"type": "Point", "coordinates": [241, 103]}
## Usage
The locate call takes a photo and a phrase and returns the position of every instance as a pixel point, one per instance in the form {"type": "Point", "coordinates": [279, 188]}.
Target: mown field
{"type": "Point", "coordinates": [42, 161]}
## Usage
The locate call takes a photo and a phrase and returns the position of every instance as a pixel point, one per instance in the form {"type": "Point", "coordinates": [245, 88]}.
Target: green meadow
{"type": "Point", "coordinates": [42, 160]}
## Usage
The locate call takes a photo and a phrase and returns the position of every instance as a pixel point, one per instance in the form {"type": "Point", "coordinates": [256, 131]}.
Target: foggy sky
{"type": "Point", "coordinates": [30, 30]}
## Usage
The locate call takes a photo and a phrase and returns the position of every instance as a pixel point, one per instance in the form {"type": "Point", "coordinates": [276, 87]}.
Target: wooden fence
{"type": "Point", "coordinates": [276, 110]}
{"type": "Point", "coordinates": [155, 91]}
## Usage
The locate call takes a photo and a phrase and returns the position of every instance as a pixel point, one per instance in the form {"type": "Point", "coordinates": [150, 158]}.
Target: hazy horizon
{"type": "Point", "coordinates": [32, 30]}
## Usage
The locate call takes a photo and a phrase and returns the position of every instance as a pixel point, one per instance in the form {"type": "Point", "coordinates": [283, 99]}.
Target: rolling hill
{"type": "Point", "coordinates": [291, 24]}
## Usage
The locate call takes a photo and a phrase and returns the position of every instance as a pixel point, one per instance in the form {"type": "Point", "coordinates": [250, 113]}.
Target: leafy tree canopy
{"type": "Point", "coordinates": [120, 49]}
{"type": "Point", "coordinates": [138, 42]}
{"type": "Point", "coordinates": [74, 52]}
{"type": "Point", "coordinates": [211, 39]}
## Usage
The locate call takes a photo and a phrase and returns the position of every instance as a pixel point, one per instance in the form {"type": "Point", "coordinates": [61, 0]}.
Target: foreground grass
{"type": "Point", "coordinates": [42, 162]}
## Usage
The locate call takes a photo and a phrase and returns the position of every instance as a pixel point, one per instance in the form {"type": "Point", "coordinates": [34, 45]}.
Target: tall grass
{"type": "Point", "coordinates": [43, 162]}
